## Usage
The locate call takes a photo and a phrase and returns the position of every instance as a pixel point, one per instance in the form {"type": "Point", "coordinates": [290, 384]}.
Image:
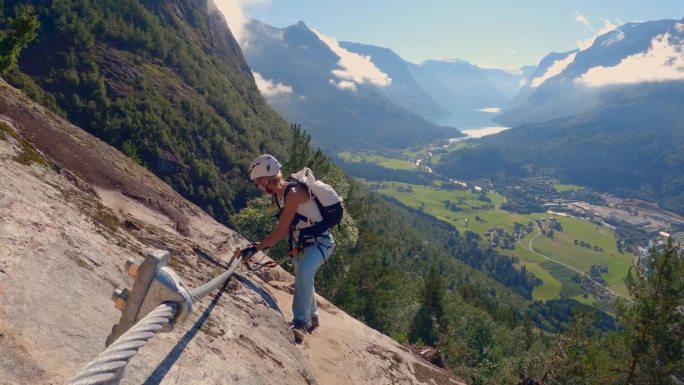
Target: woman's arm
{"type": "Point", "coordinates": [295, 197]}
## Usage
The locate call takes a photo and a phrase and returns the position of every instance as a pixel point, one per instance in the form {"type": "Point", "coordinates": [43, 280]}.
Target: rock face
{"type": "Point", "coordinates": [73, 209]}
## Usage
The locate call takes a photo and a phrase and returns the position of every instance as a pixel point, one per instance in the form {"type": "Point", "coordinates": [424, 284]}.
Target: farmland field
{"type": "Point", "coordinates": [566, 187]}
{"type": "Point", "coordinates": [392, 163]}
{"type": "Point", "coordinates": [480, 212]}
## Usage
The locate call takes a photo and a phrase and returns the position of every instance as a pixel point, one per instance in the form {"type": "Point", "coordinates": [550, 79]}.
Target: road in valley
{"type": "Point", "coordinates": [531, 248]}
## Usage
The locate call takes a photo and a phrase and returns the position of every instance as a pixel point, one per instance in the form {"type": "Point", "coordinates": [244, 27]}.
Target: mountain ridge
{"type": "Point", "coordinates": [404, 91]}
{"type": "Point", "coordinates": [546, 101]}
{"type": "Point", "coordinates": [336, 110]}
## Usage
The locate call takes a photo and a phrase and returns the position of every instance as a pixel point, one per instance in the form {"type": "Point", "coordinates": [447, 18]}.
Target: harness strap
{"type": "Point", "coordinates": [312, 240]}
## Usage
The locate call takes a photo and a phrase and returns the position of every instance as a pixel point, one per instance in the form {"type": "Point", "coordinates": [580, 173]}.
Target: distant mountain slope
{"type": "Point", "coordinates": [165, 82]}
{"type": "Point", "coordinates": [404, 91]}
{"type": "Point", "coordinates": [631, 54]}
{"type": "Point", "coordinates": [632, 145]}
{"type": "Point", "coordinates": [457, 83]}
{"type": "Point", "coordinates": [509, 82]}
{"type": "Point", "coordinates": [471, 94]}
{"type": "Point", "coordinates": [609, 117]}
{"type": "Point", "coordinates": [338, 109]}
{"type": "Point", "coordinates": [537, 75]}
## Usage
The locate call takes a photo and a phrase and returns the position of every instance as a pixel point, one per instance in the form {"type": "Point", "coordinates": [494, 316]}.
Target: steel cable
{"type": "Point", "coordinates": [199, 292]}
{"type": "Point", "coordinates": [109, 365]}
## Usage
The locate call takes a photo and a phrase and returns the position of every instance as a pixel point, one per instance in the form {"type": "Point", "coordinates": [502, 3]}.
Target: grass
{"type": "Point", "coordinates": [569, 287]}
{"type": "Point", "coordinates": [551, 287]}
{"type": "Point", "coordinates": [454, 146]}
{"type": "Point", "coordinates": [566, 187]}
{"type": "Point", "coordinates": [392, 163]}
{"type": "Point", "coordinates": [436, 158]}
{"type": "Point", "coordinates": [28, 154]}
{"type": "Point", "coordinates": [557, 279]}
{"type": "Point", "coordinates": [563, 249]}
{"type": "Point", "coordinates": [431, 200]}
{"type": "Point", "coordinates": [410, 153]}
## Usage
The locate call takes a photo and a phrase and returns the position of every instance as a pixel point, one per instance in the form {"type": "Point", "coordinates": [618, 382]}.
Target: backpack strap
{"type": "Point", "coordinates": [298, 217]}
{"type": "Point", "coordinates": [274, 196]}
{"type": "Point", "coordinates": [309, 232]}
{"type": "Point", "coordinates": [290, 186]}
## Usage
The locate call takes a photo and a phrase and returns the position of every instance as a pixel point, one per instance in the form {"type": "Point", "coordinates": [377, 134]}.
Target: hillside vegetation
{"type": "Point", "coordinates": [164, 82]}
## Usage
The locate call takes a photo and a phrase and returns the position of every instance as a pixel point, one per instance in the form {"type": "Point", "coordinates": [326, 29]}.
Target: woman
{"type": "Point", "coordinates": [298, 211]}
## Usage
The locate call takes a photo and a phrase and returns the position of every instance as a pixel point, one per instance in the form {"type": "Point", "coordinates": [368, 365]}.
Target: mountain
{"type": "Point", "coordinates": [467, 91]}
{"type": "Point", "coordinates": [403, 91]}
{"type": "Point", "coordinates": [339, 103]}
{"type": "Point", "coordinates": [508, 82]}
{"type": "Point", "coordinates": [537, 75]}
{"type": "Point", "coordinates": [185, 105]}
{"type": "Point", "coordinates": [457, 83]}
{"type": "Point", "coordinates": [612, 118]}
{"type": "Point", "coordinates": [578, 81]}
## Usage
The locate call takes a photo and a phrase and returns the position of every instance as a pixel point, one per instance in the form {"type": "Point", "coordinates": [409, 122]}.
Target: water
{"type": "Point", "coordinates": [484, 131]}
{"type": "Point", "coordinates": [474, 123]}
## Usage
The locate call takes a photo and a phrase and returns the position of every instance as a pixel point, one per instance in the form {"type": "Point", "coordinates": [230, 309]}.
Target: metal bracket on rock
{"type": "Point", "coordinates": [154, 283]}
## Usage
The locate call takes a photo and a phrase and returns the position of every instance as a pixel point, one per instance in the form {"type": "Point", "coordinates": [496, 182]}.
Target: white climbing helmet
{"type": "Point", "coordinates": [264, 165]}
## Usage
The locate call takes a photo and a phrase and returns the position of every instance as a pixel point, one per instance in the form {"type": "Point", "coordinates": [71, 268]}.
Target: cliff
{"type": "Point", "coordinates": [73, 209]}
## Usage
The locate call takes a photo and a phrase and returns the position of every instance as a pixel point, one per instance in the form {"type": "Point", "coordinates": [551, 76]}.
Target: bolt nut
{"type": "Point", "coordinates": [119, 297]}
{"type": "Point", "coordinates": [132, 266]}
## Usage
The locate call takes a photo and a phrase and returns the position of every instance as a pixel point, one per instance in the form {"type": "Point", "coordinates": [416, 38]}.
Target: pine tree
{"type": "Point", "coordinates": [429, 321]}
{"type": "Point", "coordinates": [655, 326]}
{"type": "Point", "coordinates": [22, 31]}
{"type": "Point", "coordinates": [433, 295]}
{"type": "Point", "coordinates": [301, 154]}
{"type": "Point", "coordinates": [528, 332]}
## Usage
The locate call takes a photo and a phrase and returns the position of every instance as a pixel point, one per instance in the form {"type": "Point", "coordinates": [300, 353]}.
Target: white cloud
{"type": "Point", "coordinates": [522, 82]}
{"type": "Point", "coordinates": [607, 27]}
{"type": "Point", "coordinates": [235, 16]}
{"type": "Point", "coordinates": [491, 110]}
{"type": "Point", "coordinates": [663, 61]}
{"type": "Point", "coordinates": [580, 18]}
{"type": "Point", "coordinates": [512, 71]}
{"type": "Point", "coordinates": [268, 88]}
{"type": "Point", "coordinates": [354, 68]}
{"type": "Point", "coordinates": [344, 84]}
{"type": "Point", "coordinates": [679, 27]}
{"type": "Point", "coordinates": [554, 69]}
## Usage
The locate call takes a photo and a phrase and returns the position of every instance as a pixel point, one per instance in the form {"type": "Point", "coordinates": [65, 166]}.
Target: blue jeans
{"type": "Point", "coordinates": [307, 262]}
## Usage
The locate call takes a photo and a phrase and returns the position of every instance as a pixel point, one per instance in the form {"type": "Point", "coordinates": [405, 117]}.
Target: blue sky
{"type": "Point", "coordinates": [503, 34]}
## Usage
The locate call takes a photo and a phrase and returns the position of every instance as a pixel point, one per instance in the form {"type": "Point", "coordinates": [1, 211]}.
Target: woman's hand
{"type": "Point", "coordinates": [248, 252]}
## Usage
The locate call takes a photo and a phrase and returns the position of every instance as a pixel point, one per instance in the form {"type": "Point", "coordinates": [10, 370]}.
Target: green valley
{"type": "Point", "coordinates": [543, 254]}
{"type": "Point", "coordinates": [383, 161]}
